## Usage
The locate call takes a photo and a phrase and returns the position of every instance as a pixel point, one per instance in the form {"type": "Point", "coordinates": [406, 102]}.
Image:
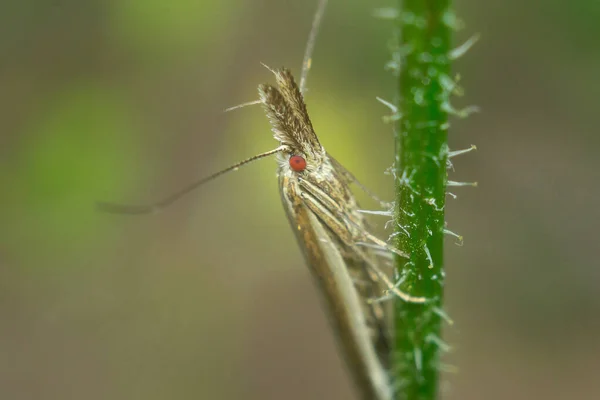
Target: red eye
{"type": "Point", "coordinates": [298, 163]}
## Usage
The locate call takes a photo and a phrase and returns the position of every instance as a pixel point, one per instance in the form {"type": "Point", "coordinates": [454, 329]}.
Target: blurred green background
{"type": "Point", "coordinates": [123, 100]}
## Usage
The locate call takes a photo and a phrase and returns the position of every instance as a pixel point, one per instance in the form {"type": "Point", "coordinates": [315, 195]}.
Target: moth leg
{"type": "Point", "coordinates": [377, 250]}
{"type": "Point", "coordinates": [387, 296]}
{"type": "Point", "coordinates": [351, 178]}
{"type": "Point", "coordinates": [391, 287]}
{"type": "Point", "coordinates": [340, 229]}
{"type": "Point", "coordinates": [327, 202]}
{"type": "Point", "coordinates": [381, 299]}
{"type": "Point", "coordinates": [365, 234]}
{"type": "Point", "coordinates": [383, 277]}
{"type": "Point", "coordinates": [384, 244]}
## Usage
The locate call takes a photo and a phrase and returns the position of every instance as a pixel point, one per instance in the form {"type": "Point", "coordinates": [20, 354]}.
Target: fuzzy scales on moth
{"type": "Point", "coordinates": [329, 227]}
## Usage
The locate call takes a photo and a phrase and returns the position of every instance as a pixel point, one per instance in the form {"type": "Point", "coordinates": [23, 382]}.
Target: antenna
{"type": "Point", "coordinates": [310, 45]}
{"type": "Point", "coordinates": [116, 208]}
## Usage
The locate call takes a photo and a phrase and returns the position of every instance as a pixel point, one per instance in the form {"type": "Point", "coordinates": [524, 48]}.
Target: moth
{"type": "Point", "coordinates": [344, 257]}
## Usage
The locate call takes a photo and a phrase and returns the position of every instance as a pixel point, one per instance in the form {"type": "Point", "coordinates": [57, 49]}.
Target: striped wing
{"type": "Point", "coordinates": [340, 275]}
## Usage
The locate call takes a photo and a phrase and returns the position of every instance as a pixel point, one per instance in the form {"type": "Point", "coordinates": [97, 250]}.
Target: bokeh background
{"type": "Point", "coordinates": [123, 100]}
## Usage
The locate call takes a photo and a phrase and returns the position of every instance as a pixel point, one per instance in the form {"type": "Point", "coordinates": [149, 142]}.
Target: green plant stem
{"type": "Point", "coordinates": [421, 156]}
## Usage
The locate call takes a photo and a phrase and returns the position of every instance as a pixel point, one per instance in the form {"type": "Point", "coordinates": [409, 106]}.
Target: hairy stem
{"type": "Point", "coordinates": [421, 134]}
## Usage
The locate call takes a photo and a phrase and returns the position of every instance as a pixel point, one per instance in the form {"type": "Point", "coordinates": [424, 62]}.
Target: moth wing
{"type": "Point", "coordinates": [340, 296]}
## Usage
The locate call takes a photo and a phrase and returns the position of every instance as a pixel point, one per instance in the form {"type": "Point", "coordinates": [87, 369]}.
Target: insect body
{"type": "Point", "coordinates": [325, 218]}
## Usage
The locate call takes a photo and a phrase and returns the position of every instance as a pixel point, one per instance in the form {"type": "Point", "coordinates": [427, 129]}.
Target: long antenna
{"type": "Point", "coordinates": [158, 206]}
{"type": "Point", "coordinates": [310, 45]}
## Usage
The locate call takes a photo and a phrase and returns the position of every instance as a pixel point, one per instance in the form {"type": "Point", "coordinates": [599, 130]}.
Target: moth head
{"type": "Point", "coordinates": [290, 123]}
{"type": "Point", "coordinates": [298, 162]}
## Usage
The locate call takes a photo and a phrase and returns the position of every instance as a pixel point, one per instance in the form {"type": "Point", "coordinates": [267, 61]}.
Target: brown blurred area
{"type": "Point", "coordinates": [122, 100]}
